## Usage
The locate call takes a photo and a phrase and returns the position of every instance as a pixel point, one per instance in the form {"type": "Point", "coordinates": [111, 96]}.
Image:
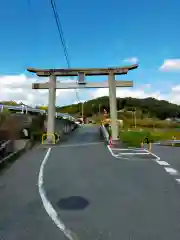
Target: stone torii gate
{"type": "Point", "coordinates": [52, 85]}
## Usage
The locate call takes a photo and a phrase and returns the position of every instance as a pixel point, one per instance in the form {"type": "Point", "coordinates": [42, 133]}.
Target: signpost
{"type": "Point", "coordinates": [52, 85]}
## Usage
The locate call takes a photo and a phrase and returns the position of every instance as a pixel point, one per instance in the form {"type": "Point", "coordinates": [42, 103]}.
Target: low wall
{"type": "Point", "coordinates": [104, 132]}
{"type": "Point", "coordinates": [11, 148]}
{"type": "Point", "coordinates": [63, 126]}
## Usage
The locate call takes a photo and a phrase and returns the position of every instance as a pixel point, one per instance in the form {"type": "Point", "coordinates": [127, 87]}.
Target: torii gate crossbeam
{"type": "Point", "coordinates": [81, 73]}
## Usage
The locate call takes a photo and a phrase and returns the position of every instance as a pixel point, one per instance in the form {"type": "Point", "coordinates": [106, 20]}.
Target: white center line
{"type": "Point", "coordinates": [163, 163]}
{"type": "Point", "coordinates": [178, 180]}
{"type": "Point", "coordinates": [171, 171]}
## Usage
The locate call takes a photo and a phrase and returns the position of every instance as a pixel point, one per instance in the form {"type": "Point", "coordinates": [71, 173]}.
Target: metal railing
{"type": "Point", "coordinates": [105, 132]}
{"type": "Point", "coordinates": [24, 110]}
{"type": "Point", "coordinates": [6, 147]}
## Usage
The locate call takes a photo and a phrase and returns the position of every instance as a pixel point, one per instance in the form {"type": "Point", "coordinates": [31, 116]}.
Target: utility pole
{"type": "Point", "coordinates": [52, 85]}
{"type": "Point", "coordinates": [99, 108]}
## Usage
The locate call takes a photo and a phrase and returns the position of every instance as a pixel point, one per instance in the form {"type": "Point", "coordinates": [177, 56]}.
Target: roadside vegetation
{"type": "Point", "coordinates": [140, 117]}
{"type": "Point", "coordinates": [133, 137]}
{"type": "Point", "coordinates": [133, 133]}
{"type": "Point", "coordinates": [11, 125]}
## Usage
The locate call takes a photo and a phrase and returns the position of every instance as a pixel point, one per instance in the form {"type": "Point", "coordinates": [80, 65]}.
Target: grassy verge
{"type": "Point", "coordinates": [134, 137]}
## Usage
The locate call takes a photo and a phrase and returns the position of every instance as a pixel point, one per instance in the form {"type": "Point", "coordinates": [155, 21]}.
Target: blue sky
{"type": "Point", "coordinates": [98, 34]}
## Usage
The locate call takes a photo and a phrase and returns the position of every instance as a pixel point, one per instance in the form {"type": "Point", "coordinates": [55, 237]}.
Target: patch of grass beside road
{"type": "Point", "coordinates": [134, 137]}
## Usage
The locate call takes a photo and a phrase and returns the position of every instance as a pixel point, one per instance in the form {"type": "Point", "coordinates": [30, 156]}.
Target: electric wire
{"type": "Point", "coordinates": [62, 39]}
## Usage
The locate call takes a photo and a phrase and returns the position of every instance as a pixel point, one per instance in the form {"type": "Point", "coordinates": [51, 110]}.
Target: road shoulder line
{"type": "Point", "coordinates": [46, 203]}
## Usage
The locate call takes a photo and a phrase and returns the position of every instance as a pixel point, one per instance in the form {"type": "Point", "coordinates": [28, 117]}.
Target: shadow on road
{"type": "Point", "coordinates": [73, 203]}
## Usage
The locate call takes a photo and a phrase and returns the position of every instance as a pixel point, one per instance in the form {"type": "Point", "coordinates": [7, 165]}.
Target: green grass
{"type": "Point", "coordinates": [134, 137]}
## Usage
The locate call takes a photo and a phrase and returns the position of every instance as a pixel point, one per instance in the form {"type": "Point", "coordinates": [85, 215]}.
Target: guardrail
{"type": "Point", "coordinates": [5, 149]}
{"type": "Point", "coordinates": [8, 148]}
{"type": "Point", "coordinates": [105, 133]}
{"type": "Point", "coordinates": [166, 142]}
{"type": "Point", "coordinates": [11, 149]}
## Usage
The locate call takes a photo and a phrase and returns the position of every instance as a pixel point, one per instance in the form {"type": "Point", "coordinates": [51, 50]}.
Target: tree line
{"type": "Point", "coordinates": [149, 107]}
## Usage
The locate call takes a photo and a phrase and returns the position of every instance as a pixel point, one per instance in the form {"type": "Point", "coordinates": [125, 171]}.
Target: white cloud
{"type": "Point", "coordinates": [18, 88]}
{"type": "Point", "coordinates": [142, 92]}
{"type": "Point", "coordinates": [171, 65]}
{"type": "Point", "coordinates": [134, 93]}
{"type": "Point", "coordinates": [176, 89]}
{"type": "Point", "coordinates": [81, 101]}
{"type": "Point", "coordinates": [132, 60]}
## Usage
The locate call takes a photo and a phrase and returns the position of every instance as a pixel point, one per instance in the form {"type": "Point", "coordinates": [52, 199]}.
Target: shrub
{"type": "Point", "coordinates": [134, 138]}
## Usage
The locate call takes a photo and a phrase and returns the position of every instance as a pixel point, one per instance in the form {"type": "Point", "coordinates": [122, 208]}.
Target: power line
{"type": "Point", "coordinates": [60, 30]}
{"type": "Point", "coordinates": [61, 35]}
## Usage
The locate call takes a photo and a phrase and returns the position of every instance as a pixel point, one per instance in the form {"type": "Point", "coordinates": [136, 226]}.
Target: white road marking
{"type": "Point", "coordinates": [128, 149]}
{"type": "Point", "coordinates": [178, 180]}
{"type": "Point", "coordinates": [154, 155]}
{"type": "Point", "coordinates": [171, 171]}
{"type": "Point", "coordinates": [110, 150]}
{"type": "Point", "coordinates": [47, 205]}
{"type": "Point", "coordinates": [140, 151]}
{"type": "Point", "coordinates": [77, 144]}
{"type": "Point", "coordinates": [135, 153]}
{"type": "Point", "coordinates": [120, 155]}
{"type": "Point", "coordinates": [163, 163]}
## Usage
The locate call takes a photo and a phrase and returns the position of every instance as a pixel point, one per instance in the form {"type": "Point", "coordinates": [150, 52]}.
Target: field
{"type": "Point", "coordinates": [133, 137]}
{"type": "Point", "coordinates": [132, 133]}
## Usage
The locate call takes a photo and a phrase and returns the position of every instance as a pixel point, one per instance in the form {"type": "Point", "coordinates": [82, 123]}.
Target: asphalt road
{"type": "Point", "coordinates": [96, 195]}
{"type": "Point", "coordinates": [169, 154]}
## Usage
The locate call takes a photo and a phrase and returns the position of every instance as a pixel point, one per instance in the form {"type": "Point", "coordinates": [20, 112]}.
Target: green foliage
{"type": "Point", "coordinates": [148, 107]}
{"type": "Point", "coordinates": [134, 138]}
{"type": "Point", "coordinates": [11, 103]}
{"type": "Point", "coordinates": [145, 108]}
{"type": "Point", "coordinates": [149, 123]}
{"type": "Point", "coordinates": [4, 115]}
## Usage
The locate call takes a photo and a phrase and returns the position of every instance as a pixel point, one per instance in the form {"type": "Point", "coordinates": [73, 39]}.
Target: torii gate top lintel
{"type": "Point", "coordinates": [86, 71]}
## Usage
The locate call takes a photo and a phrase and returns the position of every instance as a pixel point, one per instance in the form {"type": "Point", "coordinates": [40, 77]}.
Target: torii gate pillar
{"type": "Point", "coordinates": [51, 108]}
{"type": "Point", "coordinates": [113, 106]}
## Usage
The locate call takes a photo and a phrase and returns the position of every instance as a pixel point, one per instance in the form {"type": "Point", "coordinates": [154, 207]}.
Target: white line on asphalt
{"type": "Point", "coordinates": [110, 150]}
{"type": "Point", "coordinates": [163, 163]}
{"type": "Point", "coordinates": [132, 148]}
{"type": "Point", "coordinates": [47, 205]}
{"type": "Point", "coordinates": [178, 180]}
{"type": "Point", "coordinates": [171, 171]}
{"type": "Point", "coordinates": [135, 153]}
{"type": "Point", "coordinates": [129, 149]}
{"type": "Point", "coordinates": [154, 155]}
{"type": "Point", "coordinates": [77, 144]}
{"type": "Point", "coordinates": [142, 152]}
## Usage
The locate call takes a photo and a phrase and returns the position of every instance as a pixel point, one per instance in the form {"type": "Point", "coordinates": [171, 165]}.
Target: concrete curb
{"type": "Point", "coordinates": [104, 133]}
{"type": "Point", "coordinates": [29, 145]}
{"type": "Point", "coordinates": [62, 136]}
{"type": "Point", "coordinates": [13, 156]}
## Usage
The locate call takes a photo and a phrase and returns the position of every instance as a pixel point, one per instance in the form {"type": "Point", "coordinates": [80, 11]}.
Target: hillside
{"type": "Point", "coordinates": [149, 107]}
